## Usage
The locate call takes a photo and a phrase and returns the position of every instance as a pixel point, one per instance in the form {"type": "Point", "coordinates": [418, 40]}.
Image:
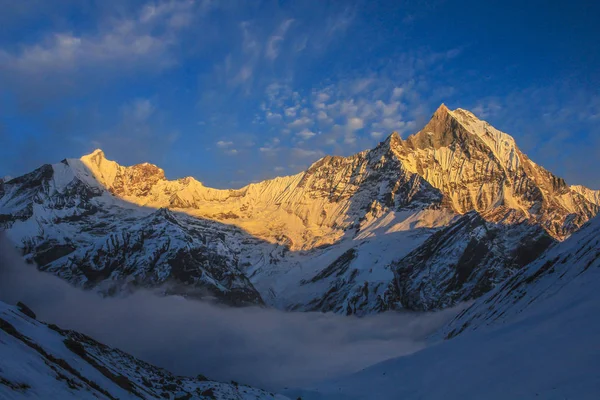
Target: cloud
{"type": "Point", "coordinates": [262, 347]}
{"type": "Point", "coordinates": [397, 92]}
{"type": "Point", "coordinates": [355, 123]}
{"type": "Point", "coordinates": [223, 144]}
{"type": "Point", "coordinates": [306, 134]}
{"type": "Point", "coordinates": [139, 110]}
{"type": "Point", "coordinates": [272, 48]}
{"type": "Point", "coordinates": [300, 123]}
{"type": "Point", "coordinates": [304, 153]}
{"type": "Point", "coordinates": [142, 40]}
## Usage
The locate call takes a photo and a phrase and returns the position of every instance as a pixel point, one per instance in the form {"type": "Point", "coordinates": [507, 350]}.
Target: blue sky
{"type": "Point", "coordinates": [237, 91]}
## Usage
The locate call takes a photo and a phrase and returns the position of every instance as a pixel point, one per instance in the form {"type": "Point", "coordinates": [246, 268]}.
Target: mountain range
{"type": "Point", "coordinates": [441, 217]}
{"type": "Point", "coordinates": [455, 213]}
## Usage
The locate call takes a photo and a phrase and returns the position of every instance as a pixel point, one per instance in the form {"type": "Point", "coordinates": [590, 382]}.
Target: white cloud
{"type": "Point", "coordinates": [350, 139]}
{"type": "Point", "coordinates": [300, 123]}
{"type": "Point", "coordinates": [272, 48]}
{"type": "Point", "coordinates": [291, 111]}
{"type": "Point", "coordinates": [273, 117]}
{"type": "Point", "coordinates": [322, 97]}
{"type": "Point", "coordinates": [322, 115]}
{"type": "Point", "coordinates": [389, 124]}
{"type": "Point", "coordinates": [388, 109]}
{"type": "Point", "coordinates": [231, 152]}
{"type": "Point", "coordinates": [306, 134]}
{"type": "Point", "coordinates": [143, 40]}
{"type": "Point", "coordinates": [304, 153]}
{"type": "Point", "coordinates": [361, 85]}
{"type": "Point", "coordinates": [140, 110]}
{"type": "Point", "coordinates": [269, 150]}
{"type": "Point", "coordinates": [224, 144]}
{"type": "Point", "coordinates": [397, 92]}
{"type": "Point", "coordinates": [487, 109]}
{"type": "Point", "coordinates": [143, 109]}
{"type": "Point", "coordinates": [377, 135]}
{"type": "Point", "coordinates": [355, 123]}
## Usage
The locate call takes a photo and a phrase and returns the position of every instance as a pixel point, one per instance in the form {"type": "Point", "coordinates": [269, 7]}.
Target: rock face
{"type": "Point", "coordinates": [479, 168]}
{"type": "Point", "coordinates": [349, 235]}
{"type": "Point", "coordinates": [465, 261]}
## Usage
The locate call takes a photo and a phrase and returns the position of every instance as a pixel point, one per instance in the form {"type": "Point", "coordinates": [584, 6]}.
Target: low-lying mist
{"type": "Point", "coordinates": [257, 346]}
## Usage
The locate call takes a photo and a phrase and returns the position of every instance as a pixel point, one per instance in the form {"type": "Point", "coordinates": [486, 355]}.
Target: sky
{"type": "Point", "coordinates": [234, 92]}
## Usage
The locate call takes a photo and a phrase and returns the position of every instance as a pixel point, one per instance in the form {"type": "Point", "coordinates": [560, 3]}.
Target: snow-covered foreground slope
{"type": "Point", "coordinates": [350, 234]}
{"type": "Point", "coordinates": [39, 361]}
{"type": "Point", "coordinates": [535, 336]}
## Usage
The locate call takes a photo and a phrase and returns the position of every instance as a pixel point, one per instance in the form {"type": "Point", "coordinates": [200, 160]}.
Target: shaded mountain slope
{"type": "Point", "coordinates": [39, 361]}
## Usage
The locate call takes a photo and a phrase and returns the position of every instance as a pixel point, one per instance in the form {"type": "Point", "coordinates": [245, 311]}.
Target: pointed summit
{"type": "Point", "coordinates": [394, 138]}
{"type": "Point", "coordinates": [392, 141]}
{"type": "Point", "coordinates": [442, 109]}
{"type": "Point", "coordinates": [96, 157]}
{"type": "Point", "coordinates": [96, 153]}
{"type": "Point", "coordinates": [441, 130]}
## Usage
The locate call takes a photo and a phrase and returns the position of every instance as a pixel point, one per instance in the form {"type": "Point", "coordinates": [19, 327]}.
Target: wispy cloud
{"type": "Point", "coordinates": [145, 39]}
{"type": "Point", "coordinates": [274, 41]}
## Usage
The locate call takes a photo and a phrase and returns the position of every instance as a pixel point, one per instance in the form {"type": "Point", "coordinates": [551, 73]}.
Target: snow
{"type": "Point", "coordinates": [33, 372]}
{"type": "Point", "coordinates": [543, 344]}
{"type": "Point", "coordinates": [591, 195]}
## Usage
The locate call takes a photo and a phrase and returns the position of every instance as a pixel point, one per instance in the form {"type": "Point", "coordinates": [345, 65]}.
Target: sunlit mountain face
{"type": "Point", "coordinates": [235, 200]}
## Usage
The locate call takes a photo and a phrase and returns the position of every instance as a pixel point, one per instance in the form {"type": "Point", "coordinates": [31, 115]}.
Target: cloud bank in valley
{"type": "Point", "coordinates": [262, 347]}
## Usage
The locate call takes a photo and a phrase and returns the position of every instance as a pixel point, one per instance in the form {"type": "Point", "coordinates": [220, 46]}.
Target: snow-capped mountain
{"type": "Point", "coordinates": [351, 235]}
{"type": "Point", "coordinates": [479, 168]}
{"type": "Point", "coordinates": [67, 223]}
{"type": "Point", "coordinates": [40, 361]}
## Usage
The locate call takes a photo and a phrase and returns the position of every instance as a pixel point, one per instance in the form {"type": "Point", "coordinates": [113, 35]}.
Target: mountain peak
{"type": "Point", "coordinates": [96, 153]}
{"type": "Point", "coordinates": [442, 108]}
{"type": "Point", "coordinates": [393, 138]}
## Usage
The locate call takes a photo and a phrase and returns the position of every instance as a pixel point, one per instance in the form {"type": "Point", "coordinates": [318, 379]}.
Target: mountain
{"type": "Point", "coordinates": [349, 235]}
{"type": "Point", "coordinates": [564, 265]}
{"type": "Point", "coordinates": [40, 361]}
{"type": "Point", "coordinates": [68, 224]}
{"type": "Point", "coordinates": [479, 168]}
{"type": "Point", "coordinates": [465, 260]}
{"type": "Point", "coordinates": [534, 336]}
{"type": "Point", "coordinates": [593, 196]}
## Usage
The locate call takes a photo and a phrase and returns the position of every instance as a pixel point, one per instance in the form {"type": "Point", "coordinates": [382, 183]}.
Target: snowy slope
{"type": "Point", "coordinates": [67, 223]}
{"type": "Point", "coordinates": [536, 336]}
{"type": "Point", "coordinates": [39, 361]}
{"type": "Point", "coordinates": [591, 195]}
{"type": "Point", "coordinates": [562, 266]}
